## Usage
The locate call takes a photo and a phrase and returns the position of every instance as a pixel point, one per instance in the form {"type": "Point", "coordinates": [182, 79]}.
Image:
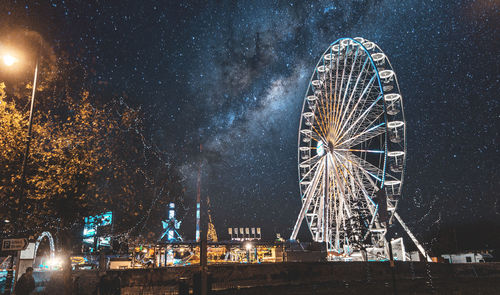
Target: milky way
{"type": "Point", "coordinates": [232, 76]}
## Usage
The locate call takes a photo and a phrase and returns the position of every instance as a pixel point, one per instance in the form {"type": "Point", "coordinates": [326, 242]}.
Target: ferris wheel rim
{"type": "Point", "coordinates": [374, 54]}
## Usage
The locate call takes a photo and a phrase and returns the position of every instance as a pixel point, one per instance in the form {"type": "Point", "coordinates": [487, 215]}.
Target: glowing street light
{"type": "Point", "coordinates": [9, 60]}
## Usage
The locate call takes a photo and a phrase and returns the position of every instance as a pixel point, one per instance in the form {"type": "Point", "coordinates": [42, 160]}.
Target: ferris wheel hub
{"type": "Point", "coordinates": [330, 146]}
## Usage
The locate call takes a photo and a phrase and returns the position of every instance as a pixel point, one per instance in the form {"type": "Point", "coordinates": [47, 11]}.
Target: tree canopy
{"type": "Point", "coordinates": [86, 157]}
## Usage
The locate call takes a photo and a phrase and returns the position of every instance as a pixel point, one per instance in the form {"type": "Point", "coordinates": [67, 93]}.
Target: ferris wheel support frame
{"type": "Point", "coordinates": [412, 237]}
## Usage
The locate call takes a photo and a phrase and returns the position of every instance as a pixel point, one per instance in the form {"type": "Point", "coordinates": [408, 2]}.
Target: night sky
{"type": "Point", "coordinates": [232, 75]}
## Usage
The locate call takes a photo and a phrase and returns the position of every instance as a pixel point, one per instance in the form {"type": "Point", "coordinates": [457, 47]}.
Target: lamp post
{"type": "Point", "coordinates": [28, 141]}
{"type": "Point", "coordinates": [10, 60]}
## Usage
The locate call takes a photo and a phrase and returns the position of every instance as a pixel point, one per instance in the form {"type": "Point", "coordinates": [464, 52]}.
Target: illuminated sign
{"type": "Point", "coordinates": [244, 233]}
{"type": "Point", "coordinates": [92, 223]}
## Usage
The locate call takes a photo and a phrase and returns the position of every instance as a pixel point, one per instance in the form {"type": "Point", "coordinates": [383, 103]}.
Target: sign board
{"type": "Point", "coordinates": [96, 223]}
{"type": "Point", "coordinates": [14, 244]}
{"type": "Point", "coordinates": [29, 252]}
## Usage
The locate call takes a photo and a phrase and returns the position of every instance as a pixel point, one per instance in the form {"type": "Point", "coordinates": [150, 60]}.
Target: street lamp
{"type": "Point", "coordinates": [10, 60]}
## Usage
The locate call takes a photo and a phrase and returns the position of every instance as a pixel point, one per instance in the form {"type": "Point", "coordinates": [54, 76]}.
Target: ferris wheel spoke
{"type": "Point", "coordinates": [314, 182]}
{"type": "Point", "coordinates": [374, 118]}
{"type": "Point", "coordinates": [344, 206]}
{"type": "Point", "coordinates": [366, 76]}
{"type": "Point", "coordinates": [317, 120]}
{"type": "Point", "coordinates": [319, 209]}
{"type": "Point", "coordinates": [319, 134]}
{"type": "Point", "coordinates": [322, 102]}
{"type": "Point", "coordinates": [337, 215]}
{"type": "Point", "coordinates": [361, 151]}
{"type": "Point", "coordinates": [320, 109]}
{"type": "Point", "coordinates": [312, 166]}
{"type": "Point", "coordinates": [312, 134]}
{"type": "Point", "coordinates": [354, 187]}
{"type": "Point", "coordinates": [311, 160]}
{"type": "Point", "coordinates": [367, 167]}
{"type": "Point", "coordinates": [338, 112]}
{"type": "Point", "coordinates": [345, 197]}
{"type": "Point", "coordinates": [339, 82]}
{"type": "Point", "coordinates": [354, 123]}
{"type": "Point", "coordinates": [365, 135]}
{"type": "Point", "coordinates": [349, 175]}
{"type": "Point", "coordinates": [328, 95]}
{"type": "Point", "coordinates": [312, 214]}
{"type": "Point", "coordinates": [362, 95]}
{"type": "Point", "coordinates": [336, 128]}
{"type": "Point", "coordinates": [354, 171]}
{"type": "Point", "coordinates": [373, 168]}
{"type": "Point", "coordinates": [346, 90]}
{"type": "Point", "coordinates": [334, 99]}
{"type": "Point", "coordinates": [316, 136]}
{"type": "Point", "coordinates": [361, 117]}
{"type": "Point", "coordinates": [322, 119]}
{"type": "Point", "coordinates": [308, 199]}
{"type": "Point", "coordinates": [311, 169]}
{"type": "Point", "coordinates": [362, 186]}
{"type": "Point", "coordinates": [364, 183]}
{"type": "Point", "coordinates": [362, 164]}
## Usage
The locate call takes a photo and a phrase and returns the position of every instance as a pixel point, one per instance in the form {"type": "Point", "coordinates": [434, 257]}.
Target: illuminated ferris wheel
{"type": "Point", "coordinates": [352, 149]}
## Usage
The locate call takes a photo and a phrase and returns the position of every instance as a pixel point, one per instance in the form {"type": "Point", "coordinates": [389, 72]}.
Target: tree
{"type": "Point", "coordinates": [87, 157]}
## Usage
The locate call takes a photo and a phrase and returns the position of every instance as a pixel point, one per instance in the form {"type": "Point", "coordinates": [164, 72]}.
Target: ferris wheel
{"type": "Point", "coordinates": [351, 149]}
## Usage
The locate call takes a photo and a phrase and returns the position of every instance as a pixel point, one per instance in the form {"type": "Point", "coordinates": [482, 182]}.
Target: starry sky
{"type": "Point", "coordinates": [231, 75]}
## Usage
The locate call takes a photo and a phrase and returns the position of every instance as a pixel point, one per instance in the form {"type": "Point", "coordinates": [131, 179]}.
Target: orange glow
{"type": "Point", "coordinates": [9, 60]}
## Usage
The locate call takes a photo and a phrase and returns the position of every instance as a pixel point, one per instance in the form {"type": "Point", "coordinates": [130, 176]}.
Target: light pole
{"type": "Point", "coordinates": [10, 60]}
{"type": "Point", "coordinates": [28, 141]}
